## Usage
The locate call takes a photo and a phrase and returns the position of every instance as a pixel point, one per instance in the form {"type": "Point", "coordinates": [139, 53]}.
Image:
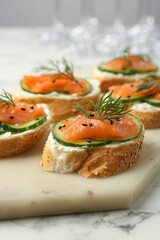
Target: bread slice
{"type": "Point", "coordinates": [107, 79]}
{"type": "Point", "coordinates": [19, 143]}
{"type": "Point", "coordinates": [13, 144]}
{"type": "Point", "coordinates": [61, 159]}
{"type": "Point", "coordinates": [147, 114]}
{"type": "Point", "coordinates": [101, 161]}
{"type": "Point", "coordinates": [61, 105]}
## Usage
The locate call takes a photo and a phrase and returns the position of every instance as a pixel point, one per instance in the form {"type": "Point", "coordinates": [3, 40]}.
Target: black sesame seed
{"type": "Point", "coordinates": [128, 96]}
{"type": "Point", "coordinates": [32, 107]}
{"type": "Point", "coordinates": [89, 141]}
{"type": "Point", "coordinates": [91, 115]}
{"type": "Point", "coordinates": [11, 117]}
{"type": "Point", "coordinates": [84, 124]}
{"type": "Point", "coordinates": [90, 124]}
{"type": "Point", "coordinates": [60, 127]}
{"type": "Point", "coordinates": [23, 109]}
{"type": "Point", "coordinates": [63, 126]}
{"type": "Point", "coordinates": [37, 119]}
{"type": "Point", "coordinates": [111, 122]}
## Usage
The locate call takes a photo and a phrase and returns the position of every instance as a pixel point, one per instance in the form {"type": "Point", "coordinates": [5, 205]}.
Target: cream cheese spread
{"type": "Point", "coordinates": [65, 157]}
{"type": "Point", "coordinates": [105, 75]}
{"type": "Point", "coordinates": [144, 107]}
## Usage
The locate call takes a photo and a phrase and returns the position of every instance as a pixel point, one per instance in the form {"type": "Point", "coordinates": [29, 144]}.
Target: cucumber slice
{"type": "Point", "coordinates": [26, 89]}
{"type": "Point", "coordinates": [124, 72]}
{"type": "Point", "coordinates": [58, 135]}
{"type": "Point", "coordinates": [25, 127]}
{"type": "Point", "coordinates": [2, 131]}
{"type": "Point", "coordinates": [131, 99]}
{"type": "Point", "coordinates": [152, 101]}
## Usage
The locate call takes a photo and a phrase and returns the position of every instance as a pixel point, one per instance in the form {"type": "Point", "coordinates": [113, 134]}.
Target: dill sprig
{"type": "Point", "coordinates": [111, 109]}
{"type": "Point", "coordinates": [6, 99]}
{"type": "Point", "coordinates": [126, 51]}
{"type": "Point", "coordinates": [143, 56]}
{"type": "Point", "coordinates": [63, 67]}
{"type": "Point", "coordinates": [107, 108]}
{"type": "Point", "coordinates": [144, 85]}
{"type": "Point", "coordinates": [153, 77]}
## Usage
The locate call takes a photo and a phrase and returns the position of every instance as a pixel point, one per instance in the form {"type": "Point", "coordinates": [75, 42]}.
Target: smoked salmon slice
{"type": "Point", "coordinates": [20, 113]}
{"type": "Point", "coordinates": [82, 127]}
{"type": "Point", "coordinates": [137, 89]}
{"type": "Point", "coordinates": [117, 64]}
{"type": "Point", "coordinates": [130, 62]}
{"type": "Point", "coordinates": [60, 82]}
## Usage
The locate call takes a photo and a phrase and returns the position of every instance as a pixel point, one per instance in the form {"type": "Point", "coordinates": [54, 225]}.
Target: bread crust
{"type": "Point", "coordinates": [71, 161]}
{"type": "Point", "coordinates": [101, 161]}
{"type": "Point", "coordinates": [106, 82]}
{"type": "Point", "coordinates": [108, 161]}
{"type": "Point", "coordinates": [19, 143]}
{"type": "Point", "coordinates": [150, 119]}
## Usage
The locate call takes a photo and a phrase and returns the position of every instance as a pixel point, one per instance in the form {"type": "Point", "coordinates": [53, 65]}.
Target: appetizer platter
{"type": "Point", "coordinates": [95, 156]}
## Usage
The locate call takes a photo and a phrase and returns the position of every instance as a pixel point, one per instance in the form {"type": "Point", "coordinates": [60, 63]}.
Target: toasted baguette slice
{"type": "Point", "coordinates": [125, 68]}
{"type": "Point", "coordinates": [107, 79]}
{"type": "Point", "coordinates": [13, 144]}
{"type": "Point", "coordinates": [100, 161]}
{"type": "Point", "coordinates": [60, 105]}
{"type": "Point", "coordinates": [147, 114]}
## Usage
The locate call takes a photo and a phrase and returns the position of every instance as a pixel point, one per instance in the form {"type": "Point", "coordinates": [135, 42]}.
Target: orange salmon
{"type": "Point", "coordinates": [21, 113]}
{"type": "Point", "coordinates": [131, 90]}
{"type": "Point", "coordinates": [46, 83]}
{"type": "Point", "coordinates": [132, 62]}
{"type": "Point", "coordinates": [81, 127]}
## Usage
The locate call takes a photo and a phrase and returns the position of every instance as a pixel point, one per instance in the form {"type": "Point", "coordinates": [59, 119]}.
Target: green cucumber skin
{"type": "Point", "coordinates": [126, 72]}
{"type": "Point", "coordinates": [82, 144]}
{"type": "Point", "coordinates": [132, 100]}
{"type": "Point", "coordinates": [24, 88]}
{"type": "Point", "coordinates": [152, 102]}
{"type": "Point", "coordinates": [23, 128]}
{"type": "Point", "coordinates": [94, 143]}
{"type": "Point", "coordinates": [2, 131]}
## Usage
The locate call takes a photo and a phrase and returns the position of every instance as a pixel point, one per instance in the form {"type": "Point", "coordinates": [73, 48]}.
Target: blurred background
{"type": "Point", "coordinates": [83, 31]}
{"type": "Point", "coordinates": [41, 12]}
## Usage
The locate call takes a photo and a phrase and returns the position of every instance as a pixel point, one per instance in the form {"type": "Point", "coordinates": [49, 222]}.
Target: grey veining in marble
{"type": "Point", "coordinates": [140, 222]}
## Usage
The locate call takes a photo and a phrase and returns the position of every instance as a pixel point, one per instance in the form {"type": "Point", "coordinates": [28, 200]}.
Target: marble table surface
{"type": "Point", "coordinates": [20, 50]}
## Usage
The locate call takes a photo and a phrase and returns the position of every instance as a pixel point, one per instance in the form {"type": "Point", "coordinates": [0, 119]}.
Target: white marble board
{"type": "Point", "coordinates": [28, 191]}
